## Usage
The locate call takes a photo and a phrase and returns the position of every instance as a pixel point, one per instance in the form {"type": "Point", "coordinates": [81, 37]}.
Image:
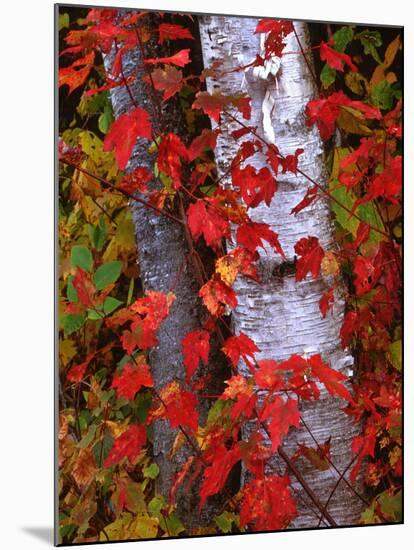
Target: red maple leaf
{"type": "Point", "coordinates": [170, 152]}
{"type": "Point", "coordinates": [140, 336]}
{"type": "Point", "coordinates": [215, 475]}
{"type": "Point", "coordinates": [206, 219]}
{"type": "Point", "coordinates": [240, 390]}
{"type": "Point", "coordinates": [254, 186]}
{"type": "Point", "coordinates": [277, 30]}
{"type": "Point", "coordinates": [76, 74]}
{"type": "Point", "coordinates": [283, 414]}
{"type": "Point", "coordinates": [267, 375]}
{"type": "Point", "coordinates": [154, 307]}
{"type": "Point", "coordinates": [335, 59]}
{"type": "Point", "coordinates": [169, 31]}
{"type": "Point", "coordinates": [124, 133]}
{"type": "Point", "coordinates": [180, 59]}
{"type": "Point", "coordinates": [132, 378]}
{"type": "Point", "coordinates": [196, 347]}
{"type": "Point", "coordinates": [127, 445]}
{"type": "Point", "coordinates": [330, 378]}
{"type": "Point", "coordinates": [366, 275]}
{"type": "Point", "coordinates": [349, 327]}
{"type": "Point", "coordinates": [251, 235]}
{"type": "Point", "coordinates": [77, 372]}
{"type": "Point", "coordinates": [84, 287]}
{"type": "Point", "coordinates": [308, 199]}
{"type": "Point", "coordinates": [216, 295]}
{"type": "Point", "coordinates": [325, 303]}
{"type": "Point", "coordinates": [310, 257]}
{"type": "Point", "coordinates": [206, 140]}
{"type": "Point", "coordinates": [168, 80]}
{"type": "Point", "coordinates": [178, 406]}
{"type": "Point", "coordinates": [240, 346]}
{"type": "Point", "coordinates": [324, 112]}
{"type": "Point", "coordinates": [136, 181]}
{"type": "Point", "coordinates": [267, 504]}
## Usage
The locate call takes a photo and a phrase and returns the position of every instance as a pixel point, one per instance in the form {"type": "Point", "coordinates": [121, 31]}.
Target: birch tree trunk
{"type": "Point", "coordinates": [281, 315]}
{"type": "Point", "coordinates": [165, 265]}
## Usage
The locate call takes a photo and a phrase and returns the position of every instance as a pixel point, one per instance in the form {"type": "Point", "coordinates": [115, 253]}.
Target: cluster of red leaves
{"type": "Point", "coordinates": [373, 169]}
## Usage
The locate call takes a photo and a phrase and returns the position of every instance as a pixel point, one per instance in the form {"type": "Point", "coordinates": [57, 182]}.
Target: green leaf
{"type": "Point", "coordinates": [348, 222]}
{"type": "Point", "coordinates": [71, 293]}
{"type": "Point", "coordinates": [225, 521]}
{"type": "Point", "coordinates": [383, 94]}
{"type": "Point", "coordinates": [72, 322]}
{"type": "Point", "coordinates": [342, 37]}
{"type": "Point", "coordinates": [110, 305]}
{"type": "Point", "coordinates": [81, 256]}
{"type": "Point", "coordinates": [391, 505]}
{"type": "Point", "coordinates": [106, 119]}
{"type": "Point", "coordinates": [106, 274]}
{"type": "Point", "coordinates": [395, 354]}
{"type": "Point", "coordinates": [101, 449]}
{"type": "Point", "coordinates": [63, 21]}
{"type": "Point", "coordinates": [371, 40]}
{"type": "Point", "coordinates": [328, 76]}
{"type": "Point", "coordinates": [156, 505]}
{"type": "Point", "coordinates": [97, 234]}
{"type": "Point", "coordinates": [151, 471]}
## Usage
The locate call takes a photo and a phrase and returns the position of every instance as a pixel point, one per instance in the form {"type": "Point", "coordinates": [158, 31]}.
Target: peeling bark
{"type": "Point", "coordinates": [279, 314]}
{"type": "Point", "coordinates": [165, 266]}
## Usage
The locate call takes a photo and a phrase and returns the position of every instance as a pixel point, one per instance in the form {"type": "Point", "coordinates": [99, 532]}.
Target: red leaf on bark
{"type": "Point", "coordinates": [283, 414]}
{"type": "Point", "coordinates": [216, 474]}
{"type": "Point", "coordinates": [241, 391]}
{"type": "Point", "coordinates": [170, 152]}
{"type": "Point", "coordinates": [310, 257]}
{"type": "Point", "coordinates": [169, 31]}
{"type": "Point", "coordinates": [335, 59]}
{"type": "Point", "coordinates": [240, 346]}
{"type": "Point", "coordinates": [254, 186]}
{"type": "Point", "coordinates": [290, 162]}
{"type": "Point", "coordinates": [180, 59]}
{"type": "Point", "coordinates": [196, 347]}
{"type": "Point", "coordinates": [329, 377]}
{"type": "Point", "coordinates": [251, 235]}
{"type": "Point", "coordinates": [206, 140]}
{"type": "Point", "coordinates": [136, 181]}
{"type": "Point", "coordinates": [325, 303]}
{"type": "Point", "coordinates": [140, 336]}
{"type": "Point", "coordinates": [267, 376]}
{"type": "Point", "coordinates": [154, 306]}
{"type": "Point", "coordinates": [127, 445]}
{"type": "Point", "coordinates": [178, 405]}
{"type": "Point", "coordinates": [308, 199]}
{"type": "Point", "coordinates": [124, 133]}
{"type": "Point", "coordinates": [349, 327]}
{"type": "Point", "coordinates": [168, 80]}
{"type": "Point", "coordinates": [216, 295]}
{"type": "Point", "coordinates": [205, 219]}
{"type": "Point", "coordinates": [267, 504]}
{"type": "Point", "coordinates": [278, 30]}
{"type": "Point", "coordinates": [132, 378]}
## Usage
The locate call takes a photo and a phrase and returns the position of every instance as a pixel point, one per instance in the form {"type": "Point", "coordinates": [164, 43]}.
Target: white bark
{"type": "Point", "coordinates": [279, 314]}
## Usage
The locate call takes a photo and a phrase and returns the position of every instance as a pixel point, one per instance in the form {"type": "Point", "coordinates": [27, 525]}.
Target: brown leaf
{"type": "Point", "coordinates": [84, 468]}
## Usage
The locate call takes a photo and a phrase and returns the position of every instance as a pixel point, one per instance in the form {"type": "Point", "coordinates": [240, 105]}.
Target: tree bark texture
{"type": "Point", "coordinates": [165, 265]}
{"type": "Point", "coordinates": [281, 315]}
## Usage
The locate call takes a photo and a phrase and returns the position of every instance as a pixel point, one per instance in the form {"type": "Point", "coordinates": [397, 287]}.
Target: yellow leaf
{"type": "Point", "coordinates": [391, 51]}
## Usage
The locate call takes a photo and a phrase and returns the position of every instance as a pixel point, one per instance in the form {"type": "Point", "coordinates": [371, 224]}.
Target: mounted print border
{"type": "Point", "coordinates": [229, 227]}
